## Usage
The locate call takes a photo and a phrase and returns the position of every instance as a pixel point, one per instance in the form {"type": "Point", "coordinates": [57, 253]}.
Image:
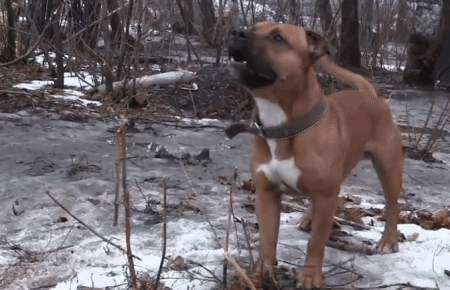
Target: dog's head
{"type": "Point", "coordinates": [271, 55]}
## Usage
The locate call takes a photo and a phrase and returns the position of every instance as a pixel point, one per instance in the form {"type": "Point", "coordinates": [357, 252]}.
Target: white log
{"type": "Point", "coordinates": [159, 79]}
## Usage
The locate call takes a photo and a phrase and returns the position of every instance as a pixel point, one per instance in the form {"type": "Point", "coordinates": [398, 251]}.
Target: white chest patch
{"type": "Point", "coordinates": [282, 172]}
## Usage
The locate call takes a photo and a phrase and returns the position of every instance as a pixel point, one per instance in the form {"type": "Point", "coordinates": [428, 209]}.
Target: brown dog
{"type": "Point", "coordinates": [307, 141]}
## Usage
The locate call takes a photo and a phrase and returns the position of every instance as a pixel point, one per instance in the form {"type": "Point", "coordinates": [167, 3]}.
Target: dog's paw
{"type": "Point", "coordinates": [388, 242]}
{"type": "Point", "coordinates": [305, 221]}
{"type": "Point", "coordinates": [256, 279]}
{"type": "Point", "coordinates": [309, 278]}
{"type": "Point", "coordinates": [261, 274]}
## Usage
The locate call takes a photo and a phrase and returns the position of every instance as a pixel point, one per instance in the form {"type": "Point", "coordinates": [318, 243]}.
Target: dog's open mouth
{"type": "Point", "coordinates": [250, 72]}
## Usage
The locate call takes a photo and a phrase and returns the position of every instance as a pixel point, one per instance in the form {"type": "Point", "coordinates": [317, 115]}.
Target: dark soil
{"type": "Point", "coordinates": [219, 96]}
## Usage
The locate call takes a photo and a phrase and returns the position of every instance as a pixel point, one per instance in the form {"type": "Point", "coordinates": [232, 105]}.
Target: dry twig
{"type": "Point", "coordinates": [351, 247]}
{"type": "Point", "coordinates": [239, 271]}
{"type": "Point", "coordinates": [247, 239]}
{"type": "Point", "coordinates": [117, 173]}
{"type": "Point", "coordinates": [121, 147]}
{"type": "Point", "coordinates": [164, 236]}
{"type": "Point", "coordinates": [387, 286]}
{"type": "Point", "coordinates": [89, 228]}
{"type": "Point", "coordinates": [203, 212]}
{"type": "Point", "coordinates": [352, 224]}
{"type": "Point", "coordinates": [227, 238]}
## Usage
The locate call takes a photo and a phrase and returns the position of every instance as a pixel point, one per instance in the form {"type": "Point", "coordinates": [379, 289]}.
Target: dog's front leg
{"type": "Point", "coordinates": [323, 209]}
{"type": "Point", "coordinates": [268, 207]}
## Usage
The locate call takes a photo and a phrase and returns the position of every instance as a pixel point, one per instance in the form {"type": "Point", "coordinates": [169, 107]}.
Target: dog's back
{"type": "Point", "coordinates": [367, 116]}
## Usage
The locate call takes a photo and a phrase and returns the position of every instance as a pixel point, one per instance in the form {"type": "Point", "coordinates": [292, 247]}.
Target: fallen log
{"type": "Point", "coordinates": [159, 79]}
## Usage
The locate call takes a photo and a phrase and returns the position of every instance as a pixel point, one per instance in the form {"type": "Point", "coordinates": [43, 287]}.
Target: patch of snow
{"type": "Point", "coordinates": [71, 80]}
{"type": "Point", "coordinates": [203, 121]}
{"type": "Point", "coordinates": [75, 96]}
{"type": "Point", "coordinates": [182, 280]}
{"type": "Point", "coordinates": [444, 157]}
{"type": "Point", "coordinates": [33, 85]}
{"type": "Point", "coordinates": [365, 204]}
{"type": "Point", "coordinates": [94, 277]}
{"type": "Point", "coordinates": [68, 94]}
{"type": "Point", "coordinates": [393, 67]}
{"type": "Point", "coordinates": [420, 262]}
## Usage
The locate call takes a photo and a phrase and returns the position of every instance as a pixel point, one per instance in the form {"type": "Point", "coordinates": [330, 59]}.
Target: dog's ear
{"type": "Point", "coordinates": [317, 45]}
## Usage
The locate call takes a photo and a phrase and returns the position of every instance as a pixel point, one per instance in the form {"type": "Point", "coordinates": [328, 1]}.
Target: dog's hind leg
{"type": "Point", "coordinates": [387, 158]}
{"type": "Point", "coordinates": [305, 221]}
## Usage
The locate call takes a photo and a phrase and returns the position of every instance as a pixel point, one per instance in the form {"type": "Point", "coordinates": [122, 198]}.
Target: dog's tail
{"type": "Point", "coordinates": [356, 81]}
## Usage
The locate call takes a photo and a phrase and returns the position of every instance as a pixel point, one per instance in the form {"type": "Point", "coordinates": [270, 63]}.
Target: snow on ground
{"type": "Point", "coordinates": [39, 149]}
{"type": "Point", "coordinates": [420, 262]}
{"type": "Point", "coordinates": [73, 91]}
{"type": "Point", "coordinates": [73, 95]}
{"type": "Point", "coordinates": [33, 85]}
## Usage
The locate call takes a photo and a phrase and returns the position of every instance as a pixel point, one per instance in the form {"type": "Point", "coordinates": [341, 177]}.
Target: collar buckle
{"type": "Point", "coordinates": [254, 124]}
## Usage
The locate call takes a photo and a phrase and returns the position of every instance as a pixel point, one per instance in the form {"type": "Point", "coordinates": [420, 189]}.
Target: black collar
{"type": "Point", "coordinates": [284, 131]}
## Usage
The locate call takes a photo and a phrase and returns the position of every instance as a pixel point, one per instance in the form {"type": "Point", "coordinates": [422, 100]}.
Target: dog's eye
{"type": "Point", "coordinates": [278, 38]}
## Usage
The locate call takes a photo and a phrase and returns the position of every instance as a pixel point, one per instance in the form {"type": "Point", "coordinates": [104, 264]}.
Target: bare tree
{"type": "Point", "coordinates": [442, 68]}
{"type": "Point", "coordinates": [326, 16]}
{"type": "Point", "coordinates": [124, 39]}
{"type": "Point", "coordinates": [350, 54]}
{"type": "Point", "coordinates": [294, 8]}
{"type": "Point", "coordinates": [91, 14]}
{"type": "Point", "coordinates": [189, 16]}
{"type": "Point", "coordinates": [108, 57]}
{"type": "Point", "coordinates": [445, 19]}
{"type": "Point", "coordinates": [41, 12]}
{"type": "Point", "coordinates": [402, 19]}
{"type": "Point", "coordinates": [208, 21]}
{"type": "Point", "coordinates": [366, 21]}
{"type": "Point", "coordinates": [57, 36]}
{"type": "Point", "coordinates": [9, 51]}
{"type": "Point", "coordinates": [116, 23]}
{"type": "Point", "coordinates": [426, 60]}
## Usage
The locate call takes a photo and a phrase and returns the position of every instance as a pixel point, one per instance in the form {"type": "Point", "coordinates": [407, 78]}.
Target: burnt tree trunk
{"type": "Point", "coordinates": [190, 17]}
{"type": "Point", "coordinates": [9, 51]}
{"type": "Point", "coordinates": [91, 14]}
{"type": "Point", "coordinates": [428, 57]}
{"type": "Point", "coordinates": [124, 43]}
{"type": "Point", "coordinates": [326, 22]}
{"type": "Point", "coordinates": [186, 34]}
{"type": "Point", "coordinates": [366, 22]}
{"type": "Point", "coordinates": [442, 67]}
{"type": "Point", "coordinates": [293, 9]}
{"type": "Point", "coordinates": [41, 12]}
{"type": "Point", "coordinates": [116, 23]}
{"type": "Point", "coordinates": [350, 54]}
{"type": "Point", "coordinates": [445, 20]}
{"type": "Point", "coordinates": [58, 45]}
{"type": "Point", "coordinates": [208, 21]}
{"type": "Point", "coordinates": [326, 17]}
{"type": "Point", "coordinates": [402, 27]}
{"type": "Point", "coordinates": [108, 57]}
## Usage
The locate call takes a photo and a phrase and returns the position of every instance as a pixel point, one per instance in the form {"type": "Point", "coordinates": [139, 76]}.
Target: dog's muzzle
{"type": "Point", "coordinates": [249, 68]}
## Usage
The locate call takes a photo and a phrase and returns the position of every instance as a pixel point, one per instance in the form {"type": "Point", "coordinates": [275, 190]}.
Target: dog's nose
{"type": "Point", "coordinates": [240, 44]}
{"type": "Point", "coordinates": [241, 33]}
